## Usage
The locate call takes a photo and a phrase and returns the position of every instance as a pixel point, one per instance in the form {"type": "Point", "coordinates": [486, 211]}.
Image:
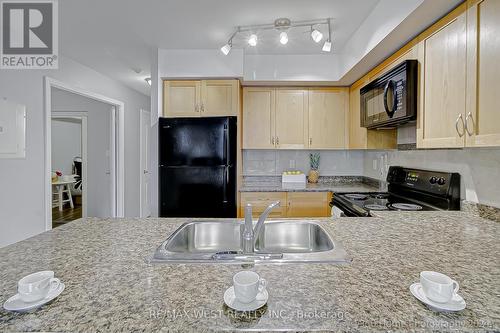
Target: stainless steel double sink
{"type": "Point", "coordinates": [290, 241]}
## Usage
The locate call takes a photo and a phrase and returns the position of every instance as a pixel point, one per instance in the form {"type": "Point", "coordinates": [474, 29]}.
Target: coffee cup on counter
{"type": "Point", "coordinates": [36, 286]}
{"type": "Point", "coordinates": [438, 287]}
{"type": "Point", "coordinates": [247, 285]}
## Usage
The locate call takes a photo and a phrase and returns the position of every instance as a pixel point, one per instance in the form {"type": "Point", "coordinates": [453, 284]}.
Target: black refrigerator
{"type": "Point", "coordinates": [197, 167]}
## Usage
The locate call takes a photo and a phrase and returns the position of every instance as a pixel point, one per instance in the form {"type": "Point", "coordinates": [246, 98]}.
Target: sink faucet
{"type": "Point", "coordinates": [249, 234]}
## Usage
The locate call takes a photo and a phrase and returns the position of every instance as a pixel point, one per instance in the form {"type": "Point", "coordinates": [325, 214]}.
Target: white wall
{"type": "Point", "coordinates": [98, 147]}
{"type": "Point", "coordinates": [479, 168]}
{"type": "Point", "coordinates": [22, 180]}
{"type": "Point", "coordinates": [274, 162]}
{"type": "Point", "coordinates": [66, 143]}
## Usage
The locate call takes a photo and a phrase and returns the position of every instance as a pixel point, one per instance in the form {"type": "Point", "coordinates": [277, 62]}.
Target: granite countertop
{"type": "Point", "coordinates": [110, 287]}
{"type": "Point", "coordinates": [327, 184]}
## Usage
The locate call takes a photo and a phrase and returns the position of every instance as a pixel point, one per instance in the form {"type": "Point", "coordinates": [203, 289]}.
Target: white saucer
{"type": "Point", "coordinates": [233, 303]}
{"type": "Point", "coordinates": [16, 304]}
{"type": "Point", "coordinates": [456, 303]}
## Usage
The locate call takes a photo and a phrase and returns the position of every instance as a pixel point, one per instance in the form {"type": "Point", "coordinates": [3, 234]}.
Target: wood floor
{"type": "Point", "coordinates": [67, 215]}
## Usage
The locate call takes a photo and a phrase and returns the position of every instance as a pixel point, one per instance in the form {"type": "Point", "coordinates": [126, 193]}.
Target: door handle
{"type": "Point", "coordinates": [460, 117]}
{"type": "Point", "coordinates": [146, 172]}
{"type": "Point", "coordinates": [469, 115]}
{"type": "Point", "coordinates": [390, 84]}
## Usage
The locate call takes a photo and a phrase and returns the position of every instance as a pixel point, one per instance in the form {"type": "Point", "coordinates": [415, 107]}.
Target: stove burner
{"type": "Point", "coordinates": [405, 206]}
{"type": "Point", "coordinates": [355, 196]}
{"type": "Point", "coordinates": [380, 195]}
{"type": "Point", "coordinates": [376, 207]}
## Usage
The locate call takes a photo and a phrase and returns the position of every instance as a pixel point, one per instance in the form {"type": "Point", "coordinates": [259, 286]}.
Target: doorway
{"type": "Point", "coordinates": [104, 162]}
{"type": "Point", "coordinates": [69, 166]}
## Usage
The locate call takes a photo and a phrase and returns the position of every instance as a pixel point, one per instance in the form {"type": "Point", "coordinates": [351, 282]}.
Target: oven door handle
{"type": "Point", "coordinates": [390, 84]}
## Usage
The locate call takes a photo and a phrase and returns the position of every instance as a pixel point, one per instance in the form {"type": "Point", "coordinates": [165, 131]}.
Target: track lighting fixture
{"type": "Point", "coordinates": [283, 27]}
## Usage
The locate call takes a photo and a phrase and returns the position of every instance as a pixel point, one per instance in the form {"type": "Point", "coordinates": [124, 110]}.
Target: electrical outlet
{"type": "Point", "coordinates": [374, 164]}
{"type": "Point", "coordinates": [292, 164]}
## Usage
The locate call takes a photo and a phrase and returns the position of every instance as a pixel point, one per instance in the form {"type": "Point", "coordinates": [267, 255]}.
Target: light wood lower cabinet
{"type": "Point", "coordinates": [308, 204]}
{"type": "Point", "coordinates": [293, 204]}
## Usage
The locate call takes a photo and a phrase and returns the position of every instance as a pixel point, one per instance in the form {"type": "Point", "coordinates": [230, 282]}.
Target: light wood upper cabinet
{"type": "Point", "coordinates": [442, 115]}
{"type": "Point", "coordinates": [219, 98]}
{"type": "Point", "coordinates": [328, 122]}
{"type": "Point", "coordinates": [258, 118]}
{"type": "Point", "coordinates": [181, 98]}
{"type": "Point", "coordinates": [482, 115]}
{"type": "Point", "coordinates": [201, 98]}
{"type": "Point", "coordinates": [291, 118]}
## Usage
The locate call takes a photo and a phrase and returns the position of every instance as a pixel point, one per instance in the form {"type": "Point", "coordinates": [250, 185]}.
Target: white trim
{"type": "Point", "coordinates": [141, 162]}
{"type": "Point", "coordinates": [84, 117]}
{"type": "Point", "coordinates": [120, 145]}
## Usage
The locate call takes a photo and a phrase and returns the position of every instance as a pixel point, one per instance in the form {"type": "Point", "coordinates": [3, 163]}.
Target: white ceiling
{"type": "Point", "coordinates": [118, 37]}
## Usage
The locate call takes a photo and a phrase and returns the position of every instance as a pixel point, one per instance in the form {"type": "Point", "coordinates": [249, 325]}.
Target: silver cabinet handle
{"type": "Point", "coordinates": [469, 115]}
{"type": "Point", "coordinates": [461, 118]}
{"type": "Point", "coordinates": [272, 140]}
{"type": "Point", "coordinates": [310, 141]}
{"type": "Point", "coordinates": [277, 141]}
{"type": "Point", "coordinates": [197, 108]}
{"type": "Point", "coordinates": [202, 108]}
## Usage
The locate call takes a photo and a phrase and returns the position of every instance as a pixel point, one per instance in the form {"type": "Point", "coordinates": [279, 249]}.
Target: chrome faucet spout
{"type": "Point", "coordinates": [247, 231]}
{"type": "Point", "coordinates": [262, 218]}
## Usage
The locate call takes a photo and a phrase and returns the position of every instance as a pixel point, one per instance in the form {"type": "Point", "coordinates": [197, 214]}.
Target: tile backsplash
{"type": "Point", "coordinates": [274, 162]}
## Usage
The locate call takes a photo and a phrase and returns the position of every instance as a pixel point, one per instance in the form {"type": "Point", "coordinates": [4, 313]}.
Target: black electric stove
{"type": "Point", "coordinates": [408, 190]}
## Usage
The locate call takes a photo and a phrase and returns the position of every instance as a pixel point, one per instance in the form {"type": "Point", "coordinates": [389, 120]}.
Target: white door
{"type": "Point", "coordinates": [144, 167]}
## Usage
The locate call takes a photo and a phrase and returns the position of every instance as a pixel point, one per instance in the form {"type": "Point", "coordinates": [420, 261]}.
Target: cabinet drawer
{"type": "Point", "coordinates": [260, 201]}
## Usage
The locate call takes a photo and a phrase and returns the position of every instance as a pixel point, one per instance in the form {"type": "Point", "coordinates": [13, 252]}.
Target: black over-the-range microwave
{"type": "Point", "coordinates": [391, 100]}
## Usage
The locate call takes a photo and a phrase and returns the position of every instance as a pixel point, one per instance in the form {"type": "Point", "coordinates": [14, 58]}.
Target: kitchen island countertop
{"type": "Point", "coordinates": [110, 287]}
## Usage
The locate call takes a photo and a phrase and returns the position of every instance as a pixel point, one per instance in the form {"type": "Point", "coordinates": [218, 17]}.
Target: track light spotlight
{"type": "Point", "coordinates": [316, 35]}
{"type": "Point", "coordinates": [252, 41]}
{"type": "Point", "coordinates": [226, 49]}
{"type": "Point", "coordinates": [327, 47]}
{"type": "Point", "coordinates": [283, 37]}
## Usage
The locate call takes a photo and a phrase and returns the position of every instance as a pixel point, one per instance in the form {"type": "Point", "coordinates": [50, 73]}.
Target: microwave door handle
{"type": "Point", "coordinates": [388, 85]}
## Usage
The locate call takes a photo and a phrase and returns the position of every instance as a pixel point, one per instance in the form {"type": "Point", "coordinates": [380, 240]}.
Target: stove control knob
{"type": "Point", "coordinates": [433, 180]}
{"type": "Point", "coordinates": [441, 181]}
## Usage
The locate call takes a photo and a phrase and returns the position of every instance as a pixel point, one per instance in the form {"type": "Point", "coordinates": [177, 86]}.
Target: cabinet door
{"type": "Point", "coordinates": [181, 98]}
{"type": "Point", "coordinates": [327, 118]}
{"type": "Point", "coordinates": [483, 112]}
{"type": "Point", "coordinates": [258, 118]}
{"type": "Point", "coordinates": [308, 204]}
{"type": "Point", "coordinates": [219, 98]}
{"type": "Point", "coordinates": [291, 119]}
{"type": "Point", "coordinates": [260, 201]}
{"type": "Point", "coordinates": [444, 73]}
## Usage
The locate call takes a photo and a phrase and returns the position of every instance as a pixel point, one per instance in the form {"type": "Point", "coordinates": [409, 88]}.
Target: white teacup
{"type": "Point", "coordinates": [438, 287]}
{"type": "Point", "coordinates": [247, 285]}
{"type": "Point", "coordinates": [36, 286]}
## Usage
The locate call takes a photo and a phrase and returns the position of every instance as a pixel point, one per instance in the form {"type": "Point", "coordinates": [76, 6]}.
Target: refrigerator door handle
{"type": "Point", "coordinates": [226, 144]}
{"type": "Point", "coordinates": [225, 183]}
